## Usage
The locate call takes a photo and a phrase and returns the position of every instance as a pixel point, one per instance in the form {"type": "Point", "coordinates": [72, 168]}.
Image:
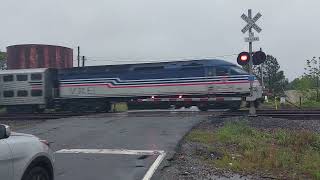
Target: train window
{"type": "Point", "coordinates": [8, 94]}
{"type": "Point", "coordinates": [237, 71]}
{"type": "Point", "coordinates": [36, 76]}
{"type": "Point", "coordinates": [22, 93]}
{"type": "Point", "coordinates": [22, 77]}
{"type": "Point", "coordinates": [8, 78]}
{"type": "Point", "coordinates": [36, 92]}
{"type": "Point", "coordinates": [211, 71]}
{"type": "Point", "coordinates": [222, 71]}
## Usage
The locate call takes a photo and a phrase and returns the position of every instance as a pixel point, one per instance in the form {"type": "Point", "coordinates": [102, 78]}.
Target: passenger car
{"type": "Point", "coordinates": [28, 90]}
{"type": "Point", "coordinates": [24, 157]}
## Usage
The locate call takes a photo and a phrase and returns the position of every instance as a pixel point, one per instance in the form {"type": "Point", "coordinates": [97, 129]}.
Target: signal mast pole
{"type": "Point", "coordinates": [252, 110]}
{"type": "Point", "coordinates": [262, 78]}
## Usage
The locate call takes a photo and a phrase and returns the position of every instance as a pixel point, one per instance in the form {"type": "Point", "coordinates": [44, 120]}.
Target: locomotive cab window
{"type": "Point", "coordinates": [8, 94]}
{"type": "Point", "coordinates": [35, 77]}
{"type": "Point", "coordinates": [36, 92]}
{"type": "Point", "coordinates": [22, 93]}
{"type": "Point", "coordinates": [211, 71]}
{"type": "Point", "coordinates": [8, 78]}
{"type": "Point", "coordinates": [22, 77]}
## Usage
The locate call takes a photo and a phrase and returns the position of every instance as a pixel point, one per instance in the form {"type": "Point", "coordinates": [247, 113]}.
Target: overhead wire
{"type": "Point", "coordinates": [105, 59]}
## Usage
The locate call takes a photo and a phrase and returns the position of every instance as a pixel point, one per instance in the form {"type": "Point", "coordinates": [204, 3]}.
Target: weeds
{"type": "Point", "coordinates": [204, 137]}
{"type": "Point", "coordinates": [291, 152]}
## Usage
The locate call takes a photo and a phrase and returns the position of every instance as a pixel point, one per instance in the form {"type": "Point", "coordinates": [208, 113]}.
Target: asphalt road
{"type": "Point", "coordinates": [97, 136]}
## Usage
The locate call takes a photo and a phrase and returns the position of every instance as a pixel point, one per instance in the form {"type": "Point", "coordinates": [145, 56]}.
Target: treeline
{"type": "Point", "coordinates": [308, 84]}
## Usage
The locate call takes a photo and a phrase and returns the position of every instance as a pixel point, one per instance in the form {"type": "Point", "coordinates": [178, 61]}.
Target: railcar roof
{"type": "Point", "coordinates": [18, 71]}
{"type": "Point", "coordinates": [201, 62]}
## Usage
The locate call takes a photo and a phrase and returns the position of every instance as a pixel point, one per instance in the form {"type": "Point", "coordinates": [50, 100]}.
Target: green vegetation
{"type": "Point", "coordinates": [119, 107]}
{"type": "Point", "coordinates": [204, 137]}
{"type": "Point", "coordinates": [274, 78]}
{"type": "Point", "coordinates": [308, 84]}
{"type": "Point", "coordinates": [283, 153]}
{"type": "Point", "coordinates": [3, 57]}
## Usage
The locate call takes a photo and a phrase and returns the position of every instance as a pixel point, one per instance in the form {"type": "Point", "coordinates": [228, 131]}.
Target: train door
{"type": "Point", "coordinates": [52, 86]}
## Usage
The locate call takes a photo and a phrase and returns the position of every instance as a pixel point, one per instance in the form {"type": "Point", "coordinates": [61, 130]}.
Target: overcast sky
{"type": "Point", "coordinates": [152, 30]}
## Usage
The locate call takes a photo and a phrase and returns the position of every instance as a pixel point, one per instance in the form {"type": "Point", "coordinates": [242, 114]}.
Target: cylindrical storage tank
{"type": "Point", "coordinates": [27, 56]}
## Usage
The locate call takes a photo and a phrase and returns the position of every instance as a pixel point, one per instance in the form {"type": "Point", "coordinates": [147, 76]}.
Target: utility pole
{"type": "Point", "coordinates": [83, 60]}
{"type": "Point", "coordinates": [78, 56]}
{"type": "Point", "coordinates": [317, 87]}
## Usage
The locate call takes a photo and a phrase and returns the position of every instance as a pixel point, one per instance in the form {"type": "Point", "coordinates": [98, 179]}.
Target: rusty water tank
{"type": "Point", "coordinates": [27, 56]}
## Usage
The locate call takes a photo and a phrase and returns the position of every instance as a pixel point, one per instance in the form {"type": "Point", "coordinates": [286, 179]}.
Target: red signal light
{"type": "Point", "coordinates": [243, 58]}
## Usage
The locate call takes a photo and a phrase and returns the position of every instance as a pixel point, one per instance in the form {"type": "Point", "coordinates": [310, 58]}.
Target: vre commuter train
{"type": "Point", "coordinates": [203, 83]}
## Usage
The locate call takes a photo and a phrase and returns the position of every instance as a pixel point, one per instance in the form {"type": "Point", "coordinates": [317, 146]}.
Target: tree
{"type": "Point", "coordinates": [313, 68]}
{"type": "Point", "coordinates": [301, 84]}
{"type": "Point", "coordinates": [274, 78]}
{"type": "Point", "coordinates": [313, 72]}
{"type": "Point", "coordinates": [3, 61]}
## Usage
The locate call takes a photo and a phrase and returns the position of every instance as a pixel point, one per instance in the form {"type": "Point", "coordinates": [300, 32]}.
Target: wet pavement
{"type": "Point", "coordinates": [103, 133]}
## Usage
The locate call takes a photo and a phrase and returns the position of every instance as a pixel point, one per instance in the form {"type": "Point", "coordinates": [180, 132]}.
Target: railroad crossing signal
{"type": "Point", "coordinates": [251, 24]}
{"type": "Point", "coordinates": [258, 58]}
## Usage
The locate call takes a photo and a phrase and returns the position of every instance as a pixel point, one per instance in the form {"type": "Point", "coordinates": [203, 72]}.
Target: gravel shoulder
{"type": "Point", "coordinates": [187, 165]}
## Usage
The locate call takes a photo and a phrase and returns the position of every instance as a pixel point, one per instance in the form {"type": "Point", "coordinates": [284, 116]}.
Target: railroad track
{"type": "Point", "coordinates": [43, 116]}
{"type": "Point", "coordinates": [286, 114]}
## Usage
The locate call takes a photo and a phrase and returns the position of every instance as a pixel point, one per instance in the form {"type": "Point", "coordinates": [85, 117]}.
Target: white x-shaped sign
{"type": "Point", "coordinates": [251, 23]}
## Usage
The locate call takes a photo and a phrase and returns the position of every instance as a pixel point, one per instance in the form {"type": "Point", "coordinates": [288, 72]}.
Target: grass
{"type": "Point", "coordinates": [204, 137]}
{"type": "Point", "coordinates": [311, 104]}
{"type": "Point", "coordinates": [283, 153]}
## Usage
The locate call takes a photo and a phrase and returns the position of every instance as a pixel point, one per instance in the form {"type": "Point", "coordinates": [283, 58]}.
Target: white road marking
{"type": "Point", "coordinates": [154, 166]}
{"type": "Point", "coordinates": [147, 176]}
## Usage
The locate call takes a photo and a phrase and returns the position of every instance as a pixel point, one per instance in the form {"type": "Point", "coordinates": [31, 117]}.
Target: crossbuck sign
{"type": "Point", "coordinates": [251, 22]}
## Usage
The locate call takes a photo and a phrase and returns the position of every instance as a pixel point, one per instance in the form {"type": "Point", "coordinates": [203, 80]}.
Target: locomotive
{"type": "Point", "coordinates": [208, 83]}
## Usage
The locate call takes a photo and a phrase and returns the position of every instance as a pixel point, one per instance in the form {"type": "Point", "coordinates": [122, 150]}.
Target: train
{"type": "Point", "coordinates": [207, 84]}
